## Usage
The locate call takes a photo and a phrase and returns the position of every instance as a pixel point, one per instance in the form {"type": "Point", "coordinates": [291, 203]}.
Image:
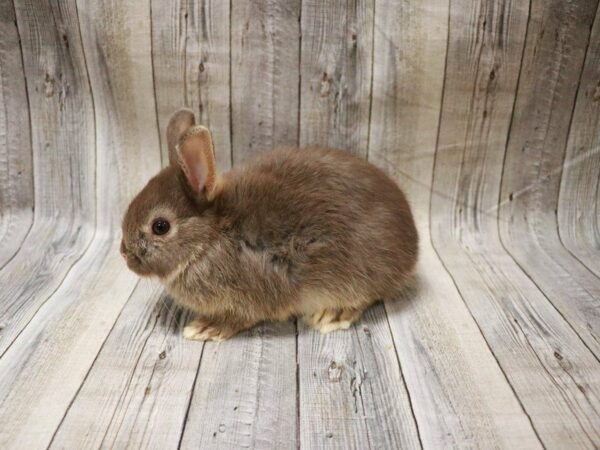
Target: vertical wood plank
{"type": "Point", "coordinates": [352, 394]}
{"type": "Point", "coordinates": [337, 55]}
{"type": "Point", "coordinates": [16, 171]}
{"type": "Point", "coordinates": [191, 62]}
{"type": "Point", "coordinates": [116, 37]}
{"type": "Point", "coordinates": [43, 369]}
{"type": "Point", "coordinates": [62, 121]}
{"type": "Point", "coordinates": [557, 38]}
{"type": "Point", "coordinates": [536, 349]}
{"type": "Point", "coordinates": [458, 392]}
{"type": "Point", "coordinates": [265, 46]}
{"type": "Point", "coordinates": [579, 200]}
{"type": "Point", "coordinates": [245, 392]}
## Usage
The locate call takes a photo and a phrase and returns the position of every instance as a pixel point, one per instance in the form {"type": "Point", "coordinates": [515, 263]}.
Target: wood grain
{"type": "Point", "coordinates": [336, 55]}
{"type": "Point", "coordinates": [486, 113]}
{"type": "Point", "coordinates": [551, 67]}
{"type": "Point", "coordinates": [44, 368]}
{"type": "Point", "coordinates": [62, 127]}
{"type": "Point", "coordinates": [458, 392]}
{"type": "Point", "coordinates": [352, 394]}
{"type": "Point", "coordinates": [137, 392]}
{"type": "Point", "coordinates": [16, 171]}
{"type": "Point", "coordinates": [245, 392]}
{"type": "Point", "coordinates": [578, 207]}
{"type": "Point", "coordinates": [191, 66]}
{"type": "Point", "coordinates": [535, 347]}
{"type": "Point", "coordinates": [265, 50]}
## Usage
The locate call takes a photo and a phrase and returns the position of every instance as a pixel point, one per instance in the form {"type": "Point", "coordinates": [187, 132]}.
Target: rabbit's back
{"type": "Point", "coordinates": [327, 220]}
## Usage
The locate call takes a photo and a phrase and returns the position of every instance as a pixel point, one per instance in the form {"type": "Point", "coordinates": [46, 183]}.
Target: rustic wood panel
{"type": "Point", "coordinates": [245, 392]}
{"type": "Point", "coordinates": [44, 368]}
{"type": "Point", "coordinates": [191, 63]}
{"type": "Point", "coordinates": [578, 206]}
{"type": "Point", "coordinates": [457, 390]}
{"type": "Point", "coordinates": [62, 127]}
{"type": "Point", "coordinates": [352, 394]}
{"type": "Point", "coordinates": [336, 64]}
{"type": "Point", "coordinates": [138, 390]}
{"type": "Point", "coordinates": [485, 112]}
{"type": "Point", "coordinates": [16, 171]}
{"type": "Point", "coordinates": [265, 53]}
{"type": "Point", "coordinates": [535, 347]}
{"type": "Point", "coordinates": [551, 69]}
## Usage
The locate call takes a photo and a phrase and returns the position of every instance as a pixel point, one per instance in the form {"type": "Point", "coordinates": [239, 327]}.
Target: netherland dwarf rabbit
{"type": "Point", "coordinates": [316, 233]}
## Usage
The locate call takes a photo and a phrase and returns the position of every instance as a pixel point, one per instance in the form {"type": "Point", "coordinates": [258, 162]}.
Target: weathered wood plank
{"type": "Point", "coordinates": [265, 46]}
{"type": "Point", "coordinates": [16, 171]}
{"type": "Point", "coordinates": [352, 394]}
{"type": "Point", "coordinates": [551, 67]}
{"type": "Point", "coordinates": [116, 37]}
{"type": "Point", "coordinates": [137, 392]}
{"type": "Point", "coordinates": [579, 200]}
{"type": "Point", "coordinates": [245, 392]}
{"type": "Point", "coordinates": [63, 145]}
{"type": "Point", "coordinates": [536, 348]}
{"type": "Point", "coordinates": [458, 392]}
{"type": "Point", "coordinates": [336, 55]}
{"type": "Point", "coordinates": [191, 61]}
{"type": "Point", "coordinates": [42, 371]}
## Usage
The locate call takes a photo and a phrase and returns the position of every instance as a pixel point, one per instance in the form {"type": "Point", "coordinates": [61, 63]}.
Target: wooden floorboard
{"type": "Point", "coordinates": [458, 392]}
{"type": "Point", "coordinates": [578, 203]}
{"type": "Point", "coordinates": [65, 190]}
{"type": "Point", "coordinates": [138, 389]}
{"type": "Point", "coordinates": [44, 368]}
{"type": "Point", "coordinates": [245, 392]}
{"type": "Point", "coordinates": [534, 159]}
{"type": "Point", "coordinates": [486, 113]}
{"type": "Point", "coordinates": [534, 345]}
{"type": "Point", "coordinates": [352, 393]}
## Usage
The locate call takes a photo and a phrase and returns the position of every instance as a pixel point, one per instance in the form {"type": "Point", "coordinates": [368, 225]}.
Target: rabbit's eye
{"type": "Point", "coordinates": [160, 226]}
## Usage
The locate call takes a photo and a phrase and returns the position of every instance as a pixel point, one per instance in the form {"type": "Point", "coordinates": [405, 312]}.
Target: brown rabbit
{"type": "Point", "coordinates": [315, 232]}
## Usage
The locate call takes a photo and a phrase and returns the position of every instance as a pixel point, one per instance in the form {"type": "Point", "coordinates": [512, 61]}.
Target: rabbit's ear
{"type": "Point", "coordinates": [179, 123]}
{"type": "Point", "coordinates": [197, 159]}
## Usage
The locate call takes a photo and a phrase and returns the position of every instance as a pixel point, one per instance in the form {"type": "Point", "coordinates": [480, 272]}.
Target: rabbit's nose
{"type": "Point", "coordinates": [123, 248]}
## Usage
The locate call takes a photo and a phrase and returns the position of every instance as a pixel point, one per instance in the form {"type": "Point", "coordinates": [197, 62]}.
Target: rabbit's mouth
{"type": "Point", "coordinates": [137, 266]}
{"type": "Point", "coordinates": [135, 263]}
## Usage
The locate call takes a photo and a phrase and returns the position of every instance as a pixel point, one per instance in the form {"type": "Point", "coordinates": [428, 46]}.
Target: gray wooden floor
{"type": "Point", "coordinates": [486, 112]}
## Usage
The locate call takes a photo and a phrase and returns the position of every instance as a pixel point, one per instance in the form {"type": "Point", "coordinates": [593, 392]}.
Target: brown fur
{"type": "Point", "coordinates": [309, 232]}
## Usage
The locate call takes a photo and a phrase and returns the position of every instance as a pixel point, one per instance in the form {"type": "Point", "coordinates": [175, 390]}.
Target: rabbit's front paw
{"type": "Point", "coordinates": [205, 330]}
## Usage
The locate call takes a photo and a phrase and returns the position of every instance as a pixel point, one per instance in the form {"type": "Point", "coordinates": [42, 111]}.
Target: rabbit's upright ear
{"type": "Point", "coordinates": [197, 159]}
{"type": "Point", "coordinates": [179, 123]}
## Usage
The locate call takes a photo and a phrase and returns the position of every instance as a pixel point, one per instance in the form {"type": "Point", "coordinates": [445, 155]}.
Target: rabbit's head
{"type": "Point", "coordinates": [169, 221]}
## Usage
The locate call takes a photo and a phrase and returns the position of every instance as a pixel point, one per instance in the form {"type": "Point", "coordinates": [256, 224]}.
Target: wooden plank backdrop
{"type": "Point", "coordinates": [487, 114]}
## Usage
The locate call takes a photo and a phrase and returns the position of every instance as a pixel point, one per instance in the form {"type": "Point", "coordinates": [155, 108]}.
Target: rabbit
{"type": "Point", "coordinates": [315, 233]}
